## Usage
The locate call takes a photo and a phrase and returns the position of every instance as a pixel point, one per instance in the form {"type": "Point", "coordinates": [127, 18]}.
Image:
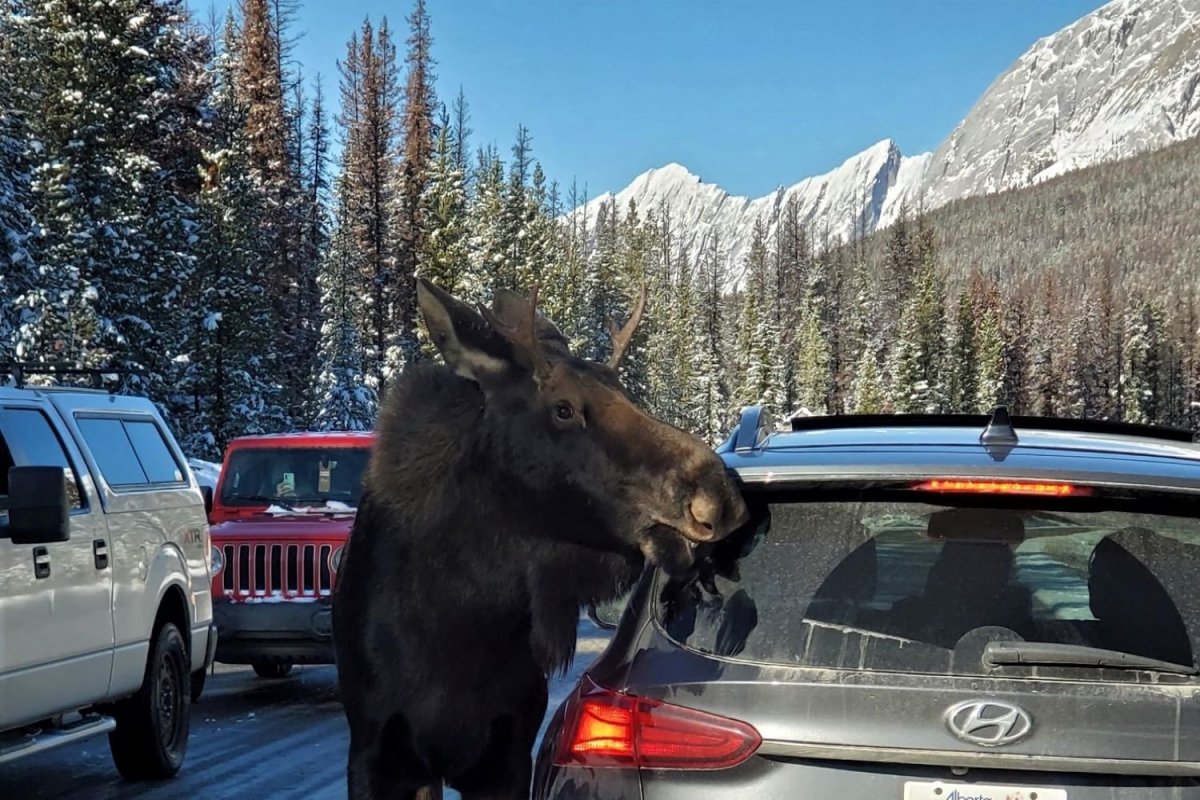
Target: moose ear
{"type": "Point", "coordinates": [470, 346]}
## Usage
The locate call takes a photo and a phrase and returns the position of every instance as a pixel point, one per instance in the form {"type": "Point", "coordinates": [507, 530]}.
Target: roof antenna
{"type": "Point", "coordinates": [999, 437]}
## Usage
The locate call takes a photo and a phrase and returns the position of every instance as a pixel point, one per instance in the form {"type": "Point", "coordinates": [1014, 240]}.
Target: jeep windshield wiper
{"type": "Point", "coordinates": [1076, 655]}
{"type": "Point", "coordinates": [262, 498]}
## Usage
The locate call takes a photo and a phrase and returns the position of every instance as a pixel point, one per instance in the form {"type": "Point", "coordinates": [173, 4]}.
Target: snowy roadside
{"type": "Point", "coordinates": [206, 472]}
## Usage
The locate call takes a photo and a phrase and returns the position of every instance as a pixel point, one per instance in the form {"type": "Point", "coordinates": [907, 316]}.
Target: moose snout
{"type": "Point", "coordinates": [716, 508]}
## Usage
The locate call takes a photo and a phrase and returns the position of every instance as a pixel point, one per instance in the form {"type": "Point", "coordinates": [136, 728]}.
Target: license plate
{"type": "Point", "coordinates": [936, 790]}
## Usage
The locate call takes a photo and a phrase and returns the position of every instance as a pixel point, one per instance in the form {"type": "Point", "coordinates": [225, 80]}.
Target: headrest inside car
{"type": "Point", "coordinates": [976, 525]}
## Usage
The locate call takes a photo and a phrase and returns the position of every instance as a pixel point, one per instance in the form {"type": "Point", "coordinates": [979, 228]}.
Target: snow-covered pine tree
{"type": "Point", "coordinates": [758, 352]}
{"type": "Point", "coordinates": [369, 114]}
{"type": "Point", "coordinates": [1143, 373]}
{"type": "Point", "coordinates": [916, 381]}
{"type": "Point", "coordinates": [989, 355]}
{"type": "Point", "coordinates": [962, 380]}
{"type": "Point", "coordinates": [417, 135]}
{"type": "Point", "coordinates": [488, 242]}
{"type": "Point", "coordinates": [602, 299]}
{"type": "Point", "coordinates": [347, 400]}
{"type": "Point", "coordinates": [444, 260]}
{"type": "Point", "coordinates": [867, 391]}
{"type": "Point", "coordinates": [229, 377]}
{"type": "Point", "coordinates": [109, 123]}
{"type": "Point", "coordinates": [635, 266]}
{"type": "Point", "coordinates": [711, 402]}
{"type": "Point", "coordinates": [263, 84]}
{"type": "Point", "coordinates": [814, 360]}
{"type": "Point", "coordinates": [19, 277]}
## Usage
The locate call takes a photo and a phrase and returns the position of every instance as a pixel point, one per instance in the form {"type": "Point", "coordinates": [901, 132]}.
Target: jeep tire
{"type": "Point", "coordinates": [272, 669]}
{"type": "Point", "coordinates": [151, 737]}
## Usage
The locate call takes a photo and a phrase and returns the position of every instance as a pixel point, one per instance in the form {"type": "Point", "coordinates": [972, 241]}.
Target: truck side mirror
{"type": "Point", "coordinates": [38, 509]}
{"type": "Point", "coordinates": [207, 492]}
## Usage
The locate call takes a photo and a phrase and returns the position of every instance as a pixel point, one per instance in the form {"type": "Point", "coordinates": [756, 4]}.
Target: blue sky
{"type": "Point", "coordinates": [749, 94]}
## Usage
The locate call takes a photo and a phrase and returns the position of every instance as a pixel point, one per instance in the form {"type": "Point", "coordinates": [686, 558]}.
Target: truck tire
{"type": "Point", "coordinates": [152, 726]}
{"type": "Point", "coordinates": [272, 669]}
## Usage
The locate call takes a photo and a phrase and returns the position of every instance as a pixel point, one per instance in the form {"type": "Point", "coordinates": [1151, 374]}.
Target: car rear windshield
{"type": "Point", "coordinates": [869, 581]}
{"type": "Point", "coordinates": [294, 476]}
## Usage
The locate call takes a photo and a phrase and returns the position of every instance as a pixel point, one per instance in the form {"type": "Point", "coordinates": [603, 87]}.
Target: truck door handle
{"type": "Point", "coordinates": [41, 563]}
{"type": "Point", "coordinates": [100, 551]}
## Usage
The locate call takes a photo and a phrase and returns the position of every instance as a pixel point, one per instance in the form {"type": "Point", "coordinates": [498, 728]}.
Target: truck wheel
{"type": "Point", "coordinates": [198, 678]}
{"type": "Point", "coordinates": [152, 726]}
{"type": "Point", "coordinates": [272, 669]}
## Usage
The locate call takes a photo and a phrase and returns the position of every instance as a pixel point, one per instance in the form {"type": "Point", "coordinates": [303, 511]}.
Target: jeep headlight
{"type": "Point", "coordinates": [218, 561]}
{"type": "Point", "coordinates": [335, 559]}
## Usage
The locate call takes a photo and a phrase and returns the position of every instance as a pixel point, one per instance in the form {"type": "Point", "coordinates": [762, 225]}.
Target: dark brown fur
{"type": "Point", "coordinates": [487, 521]}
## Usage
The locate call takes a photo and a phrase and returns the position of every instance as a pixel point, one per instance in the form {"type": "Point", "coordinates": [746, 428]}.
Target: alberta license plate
{"type": "Point", "coordinates": [936, 790]}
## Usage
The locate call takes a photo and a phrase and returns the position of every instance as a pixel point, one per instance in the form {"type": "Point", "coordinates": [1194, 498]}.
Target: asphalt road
{"type": "Point", "coordinates": [262, 739]}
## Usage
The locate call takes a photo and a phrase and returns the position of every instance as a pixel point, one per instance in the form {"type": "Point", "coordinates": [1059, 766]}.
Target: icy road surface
{"type": "Point", "coordinates": [276, 740]}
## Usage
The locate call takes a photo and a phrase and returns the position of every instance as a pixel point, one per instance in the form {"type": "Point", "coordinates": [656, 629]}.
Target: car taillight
{"type": "Point", "coordinates": [1035, 488]}
{"type": "Point", "coordinates": [605, 729]}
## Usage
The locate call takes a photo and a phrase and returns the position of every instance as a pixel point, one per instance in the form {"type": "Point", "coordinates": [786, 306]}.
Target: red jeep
{"type": "Point", "coordinates": [281, 512]}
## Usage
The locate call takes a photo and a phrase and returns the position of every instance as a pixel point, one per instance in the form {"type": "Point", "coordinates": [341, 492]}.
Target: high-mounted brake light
{"type": "Point", "coordinates": [1034, 488]}
{"type": "Point", "coordinates": [606, 729]}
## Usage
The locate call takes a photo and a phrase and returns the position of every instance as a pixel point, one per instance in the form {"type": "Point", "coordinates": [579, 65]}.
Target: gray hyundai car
{"type": "Point", "coordinates": [921, 608]}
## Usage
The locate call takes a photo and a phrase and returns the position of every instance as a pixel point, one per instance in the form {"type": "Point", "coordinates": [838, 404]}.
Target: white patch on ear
{"type": "Point", "coordinates": [465, 361]}
{"type": "Point", "coordinates": [474, 364]}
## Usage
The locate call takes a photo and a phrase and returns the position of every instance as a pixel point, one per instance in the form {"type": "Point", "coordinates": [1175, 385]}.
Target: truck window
{"type": "Point", "coordinates": [29, 440]}
{"type": "Point", "coordinates": [114, 454]}
{"type": "Point", "coordinates": [152, 451]}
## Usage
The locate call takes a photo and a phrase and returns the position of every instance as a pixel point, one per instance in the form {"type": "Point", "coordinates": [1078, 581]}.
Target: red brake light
{"type": "Point", "coordinates": [606, 729]}
{"type": "Point", "coordinates": [1035, 488]}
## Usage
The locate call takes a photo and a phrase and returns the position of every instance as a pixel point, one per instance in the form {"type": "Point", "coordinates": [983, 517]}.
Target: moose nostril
{"type": "Point", "coordinates": [705, 512]}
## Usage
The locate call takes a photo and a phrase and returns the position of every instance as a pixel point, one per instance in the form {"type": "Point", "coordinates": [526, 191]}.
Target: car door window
{"type": "Point", "coordinates": [156, 459]}
{"type": "Point", "coordinates": [114, 453]}
{"type": "Point", "coordinates": [30, 441]}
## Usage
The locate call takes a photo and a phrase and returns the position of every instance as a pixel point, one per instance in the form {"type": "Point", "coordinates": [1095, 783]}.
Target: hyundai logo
{"type": "Point", "coordinates": [989, 723]}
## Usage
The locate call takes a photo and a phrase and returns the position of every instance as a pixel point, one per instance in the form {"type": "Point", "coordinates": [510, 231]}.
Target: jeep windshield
{"type": "Point", "coordinates": [879, 580]}
{"type": "Point", "coordinates": [295, 478]}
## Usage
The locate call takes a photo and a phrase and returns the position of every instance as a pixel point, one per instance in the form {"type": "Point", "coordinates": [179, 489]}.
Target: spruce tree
{"type": "Point", "coordinates": [370, 96]}
{"type": "Point", "coordinates": [445, 258]}
{"type": "Point", "coordinates": [347, 400]}
{"type": "Point", "coordinates": [109, 122]}
{"type": "Point", "coordinates": [417, 134]}
{"type": "Point", "coordinates": [229, 378]}
{"type": "Point", "coordinates": [20, 281]}
{"type": "Point", "coordinates": [263, 83]}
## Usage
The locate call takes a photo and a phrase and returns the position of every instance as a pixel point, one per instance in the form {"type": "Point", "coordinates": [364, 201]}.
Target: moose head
{"type": "Point", "coordinates": [564, 427]}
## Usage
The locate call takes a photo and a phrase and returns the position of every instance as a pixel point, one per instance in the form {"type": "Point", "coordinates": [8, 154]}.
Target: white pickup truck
{"type": "Point", "coordinates": [105, 598]}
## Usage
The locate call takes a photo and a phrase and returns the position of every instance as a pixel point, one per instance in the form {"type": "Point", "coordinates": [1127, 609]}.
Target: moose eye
{"type": "Point", "coordinates": [564, 412]}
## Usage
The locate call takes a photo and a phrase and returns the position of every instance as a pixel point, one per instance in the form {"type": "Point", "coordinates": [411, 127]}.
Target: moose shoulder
{"type": "Point", "coordinates": [508, 487]}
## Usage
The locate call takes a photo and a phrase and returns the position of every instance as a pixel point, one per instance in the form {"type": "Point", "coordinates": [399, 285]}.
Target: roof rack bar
{"type": "Point", "coordinates": [19, 370]}
{"type": "Point", "coordinates": [981, 422]}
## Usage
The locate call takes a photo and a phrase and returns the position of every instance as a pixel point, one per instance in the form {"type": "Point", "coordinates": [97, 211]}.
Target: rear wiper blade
{"type": "Point", "coordinates": [1075, 655]}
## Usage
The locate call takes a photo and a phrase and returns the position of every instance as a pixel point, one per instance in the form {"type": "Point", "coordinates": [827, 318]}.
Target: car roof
{"type": "Point", "coordinates": [306, 439]}
{"type": "Point", "coordinates": [71, 399]}
{"type": "Point", "coordinates": [946, 445]}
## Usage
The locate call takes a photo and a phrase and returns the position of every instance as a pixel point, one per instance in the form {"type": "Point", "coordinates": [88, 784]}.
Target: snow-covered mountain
{"type": "Point", "coordinates": [1122, 80]}
{"type": "Point", "coordinates": [860, 194]}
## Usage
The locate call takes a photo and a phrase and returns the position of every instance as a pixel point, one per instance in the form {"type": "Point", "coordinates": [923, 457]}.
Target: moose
{"type": "Point", "coordinates": [507, 488]}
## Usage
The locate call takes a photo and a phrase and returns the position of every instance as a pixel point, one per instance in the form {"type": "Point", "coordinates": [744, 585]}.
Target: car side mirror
{"type": "Point", "coordinates": [207, 493]}
{"type": "Point", "coordinates": [38, 509]}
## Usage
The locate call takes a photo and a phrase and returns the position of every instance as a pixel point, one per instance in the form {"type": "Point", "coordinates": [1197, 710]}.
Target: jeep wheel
{"type": "Point", "coordinates": [272, 669]}
{"type": "Point", "coordinates": [152, 726]}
